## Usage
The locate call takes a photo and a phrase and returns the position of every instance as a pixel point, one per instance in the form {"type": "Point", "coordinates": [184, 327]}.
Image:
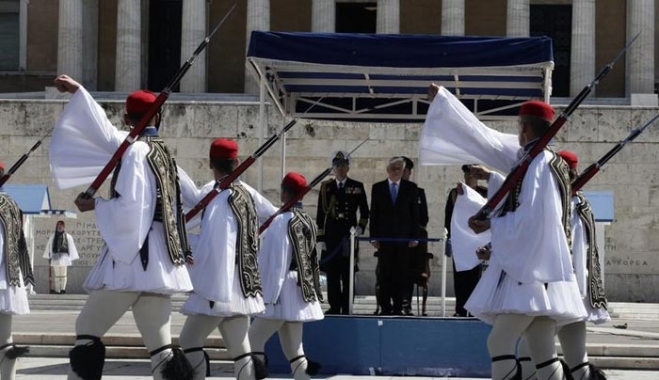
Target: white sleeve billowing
{"type": "Point", "coordinates": [49, 247]}
{"type": "Point", "coordinates": [452, 135]}
{"type": "Point", "coordinates": [274, 259]}
{"type": "Point", "coordinates": [530, 242]}
{"type": "Point", "coordinates": [73, 251]}
{"type": "Point", "coordinates": [190, 194]}
{"type": "Point", "coordinates": [192, 198]}
{"type": "Point", "coordinates": [264, 208]}
{"type": "Point", "coordinates": [125, 221]}
{"type": "Point", "coordinates": [494, 183]}
{"type": "Point", "coordinates": [464, 240]}
{"type": "Point", "coordinates": [82, 143]}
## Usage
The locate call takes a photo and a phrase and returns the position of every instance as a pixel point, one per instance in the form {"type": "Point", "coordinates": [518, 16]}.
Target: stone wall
{"type": "Point", "coordinates": [632, 241]}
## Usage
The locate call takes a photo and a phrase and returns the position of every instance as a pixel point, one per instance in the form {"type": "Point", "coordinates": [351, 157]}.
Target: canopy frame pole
{"type": "Point", "coordinates": [262, 128]}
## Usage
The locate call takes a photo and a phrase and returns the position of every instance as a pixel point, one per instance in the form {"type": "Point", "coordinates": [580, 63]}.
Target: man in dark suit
{"type": "Point", "coordinates": [339, 200]}
{"type": "Point", "coordinates": [394, 214]}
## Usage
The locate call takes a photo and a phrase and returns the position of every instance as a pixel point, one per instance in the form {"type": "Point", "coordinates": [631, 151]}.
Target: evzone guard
{"type": "Point", "coordinates": [15, 275]}
{"type": "Point", "coordinates": [291, 281]}
{"type": "Point", "coordinates": [225, 274]}
{"type": "Point", "coordinates": [142, 262]}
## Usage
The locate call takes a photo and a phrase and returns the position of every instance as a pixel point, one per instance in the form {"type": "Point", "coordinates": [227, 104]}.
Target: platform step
{"type": "Point", "coordinates": [634, 310]}
{"type": "Point", "coordinates": [116, 352]}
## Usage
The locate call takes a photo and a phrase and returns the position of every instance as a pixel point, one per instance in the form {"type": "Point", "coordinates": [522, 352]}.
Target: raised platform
{"type": "Point", "coordinates": [370, 345]}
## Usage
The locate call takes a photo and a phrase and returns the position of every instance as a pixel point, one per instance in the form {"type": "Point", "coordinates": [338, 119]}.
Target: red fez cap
{"type": "Point", "coordinates": [2, 165]}
{"type": "Point", "coordinates": [537, 108]}
{"type": "Point", "coordinates": [294, 181]}
{"type": "Point", "coordinates": [224, 148]}
{"type": "Point", "coordinates": [138, 102]}
{"type": "Point", "coordinates": [570, 158]}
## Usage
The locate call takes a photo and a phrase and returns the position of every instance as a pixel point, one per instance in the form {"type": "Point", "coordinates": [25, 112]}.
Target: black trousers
{"type": "Point", "coordinates": [338, 283]}
{"type": "Point", "coordinates": [393, 279]}
{"type": "Point", "coordinates": [464, 283]}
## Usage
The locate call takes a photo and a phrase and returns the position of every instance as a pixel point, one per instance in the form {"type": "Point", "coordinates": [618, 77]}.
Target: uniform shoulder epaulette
{"type": "Point", "coordinates": [327, 181]}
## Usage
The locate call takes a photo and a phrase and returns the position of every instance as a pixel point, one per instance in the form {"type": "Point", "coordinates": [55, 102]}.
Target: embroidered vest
{"type": "Point", "coordinates": [168, 196]}
{"type": "Point", "coordinates": [302, 233]}
{"type": "Point", "coordinates": [247, 240]}
{"type": "Point", "coordinates": [168, 199]}
{"type": "Point", "coordinates": [17, 259]}
{"type": "Point", "coordinates": [595, 284]}
{"type": "Point", "coordinates": [60, 243]}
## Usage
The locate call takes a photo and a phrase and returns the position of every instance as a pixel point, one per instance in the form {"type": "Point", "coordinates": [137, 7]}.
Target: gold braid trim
{"type": "Point", "coordinates": [302, 233]}
{"type": "Point", "coordinates": [17, 259]}
{"type": "Point", "coordinates": [328, 203]}
{"type": "Point", "coordinates": [164, 169]}
{"type": "Point", "coordinates": [247, 240]}
{"type": "Point", "coordinates": [595, 283]}
{"type": "Point", "coordinates": [562, 174]}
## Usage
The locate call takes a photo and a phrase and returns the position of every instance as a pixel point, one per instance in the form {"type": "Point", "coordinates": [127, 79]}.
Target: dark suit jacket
{"type": "Point", "coordinates": [394, 220]}
{"type": "Point", "coordinates": [423, 208]}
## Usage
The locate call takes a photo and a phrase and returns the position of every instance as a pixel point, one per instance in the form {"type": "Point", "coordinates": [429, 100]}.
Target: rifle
{"type": "Point", "coordinates": [520, 169]}
{"type": "Point", "coordinates": [237, 172]}
{"type": "Point", "coordinates": [590, 171]}
{"type": "Point", "coordinates": [242, 167]}
{"type": "Point", "coordinates": [21, 160]}
{"type": "Point", "coordinates": [152, 111]}
{"type": "Point", "coordinates": [300, 195]}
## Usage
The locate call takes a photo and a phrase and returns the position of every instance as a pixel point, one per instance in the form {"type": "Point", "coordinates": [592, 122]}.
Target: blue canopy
{"type": "Point", "coordinates": [34, 199]}
{"type": "Point", "coordinates": [378, 77]}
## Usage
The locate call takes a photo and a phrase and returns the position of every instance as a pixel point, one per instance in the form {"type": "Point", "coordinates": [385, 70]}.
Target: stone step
{"type": "Point", "coordinates": [634, 310]}
{"type": "Point", "coordinates": [130, 346]}
{"type": "Point", "coordinates": [116, 352]}
{"type": "Point", "coordinates": [135, 341]}
{"type": "Point", "coordinates": [613, 362]}
{"type": "Point", "coordinates": [68, 339]}
{"type": "Point", "coordinates": [221, 355]}
{"type": "Point", "coordinates": [364, 305]}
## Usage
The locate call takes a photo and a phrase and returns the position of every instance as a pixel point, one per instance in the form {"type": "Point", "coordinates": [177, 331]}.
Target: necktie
{"type": "Point", "coordinates": [394, 192]}
{"type": "Point", "coordinates": [341, 186]}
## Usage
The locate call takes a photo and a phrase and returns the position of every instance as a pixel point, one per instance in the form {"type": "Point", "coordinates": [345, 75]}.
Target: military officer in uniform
{"type": "Point", "coordinates": [338, 202]}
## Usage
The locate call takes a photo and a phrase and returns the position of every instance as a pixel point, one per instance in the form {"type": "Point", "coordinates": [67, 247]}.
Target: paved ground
{"type": "Point", "coordinates": [56, 369]}
{"type": "Point", "coordinates": [626, 337]}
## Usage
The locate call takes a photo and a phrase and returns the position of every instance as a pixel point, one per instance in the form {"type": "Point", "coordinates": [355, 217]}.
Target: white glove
{"type": "Point", "coordinates": [358, 231]}
{"type": "Point", "coordinates": [320, 246]}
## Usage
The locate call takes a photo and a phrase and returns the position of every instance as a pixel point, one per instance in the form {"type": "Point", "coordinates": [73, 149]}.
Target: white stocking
{"type": "Point", "coordinates": [502, 341]}
{"type": "Point", "coordinates": [260, 331]}
{"type": "Point", "coordinates": [152, 313]}
{"type": "Point", "coordinates": [290, 337]}
{"type": "Point", "coordinates": [573, 342]}
{"type": "Point", "coordinates": [525, 361]}
{"type": "Point", "coordinates": [193, 336]}
{"type": "Point", "coordinates": [64, 278]}
{"type": "Point", "coordinates": [102, 310]}
{"type": "Point", "coordinates": [7, 366]}
{"type": "Point", "coordinates": [540, 337]}
{"type": "Point", "coordinates": [234, 332]}
{"type": "Point", "coordinates": [59, 281]}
